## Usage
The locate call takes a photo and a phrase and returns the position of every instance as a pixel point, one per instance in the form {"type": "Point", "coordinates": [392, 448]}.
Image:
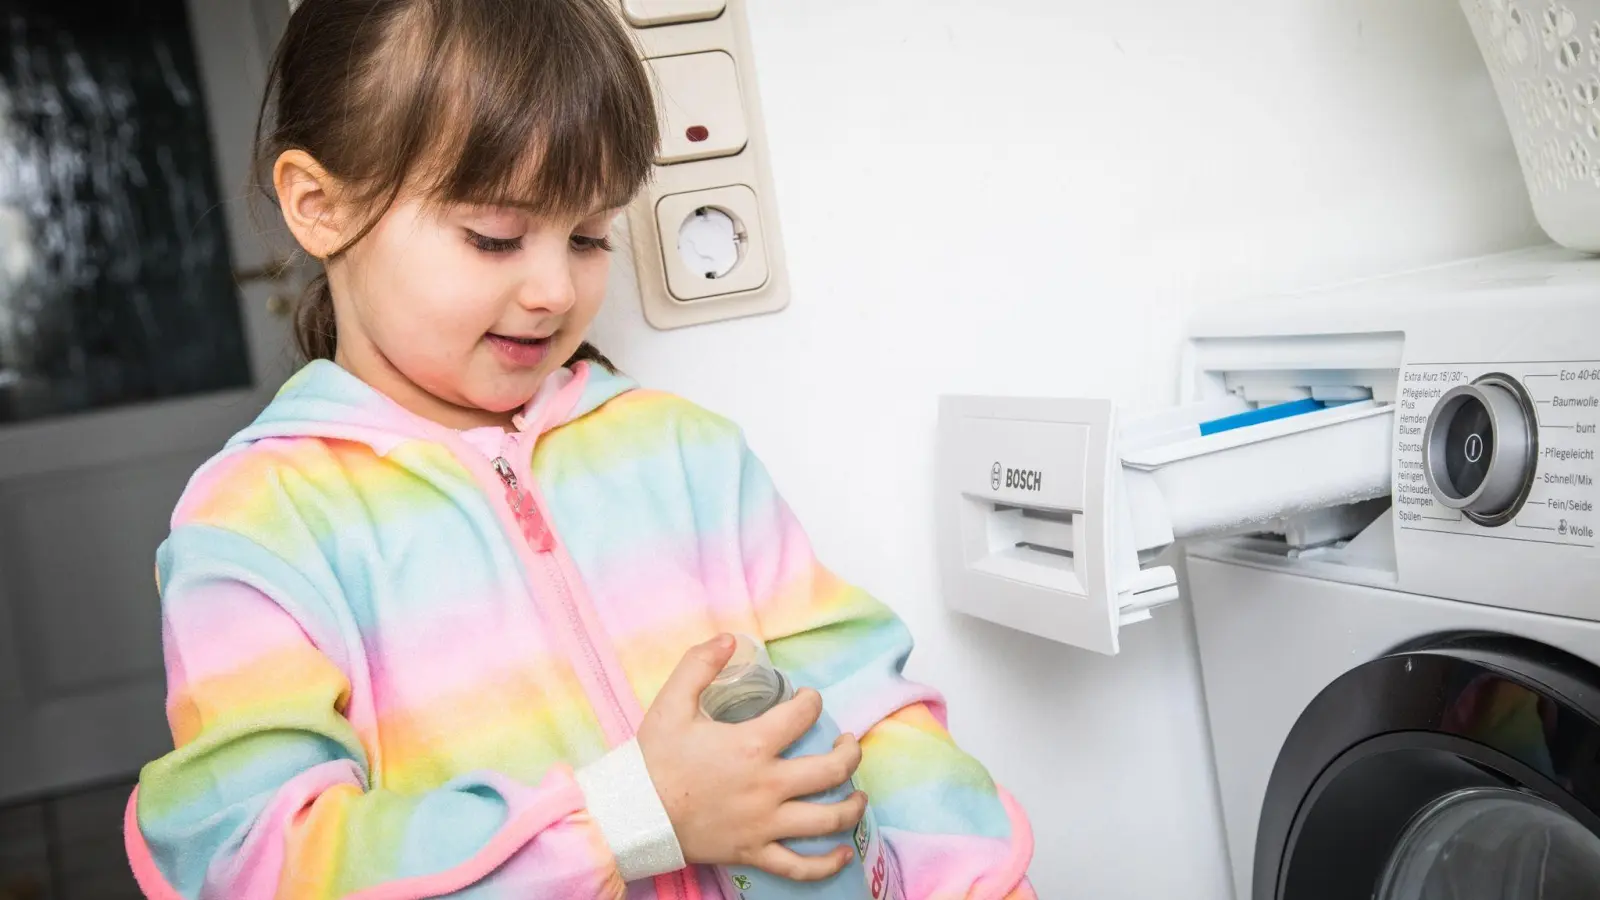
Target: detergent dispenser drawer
{"type": "Point", "coordinates": [1053, 513]}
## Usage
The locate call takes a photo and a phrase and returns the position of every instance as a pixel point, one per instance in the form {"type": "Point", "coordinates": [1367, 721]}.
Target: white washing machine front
{"type": "Point", "coordinates": [1400, 480]}
{"type": "Point", "coordinates": [1463, 768]}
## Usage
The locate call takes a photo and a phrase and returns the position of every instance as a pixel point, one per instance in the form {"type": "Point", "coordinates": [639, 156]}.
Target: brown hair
{"type": "Point", "coordinates": [484, 101]}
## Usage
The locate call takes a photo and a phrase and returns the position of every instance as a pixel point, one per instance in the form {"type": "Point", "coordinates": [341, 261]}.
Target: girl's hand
{"type": "Point", "coordinates": [729, 794]}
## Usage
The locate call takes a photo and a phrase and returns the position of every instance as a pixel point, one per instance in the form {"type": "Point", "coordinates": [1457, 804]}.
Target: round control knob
{"type": "Point", "coordinates": [1480, 447]}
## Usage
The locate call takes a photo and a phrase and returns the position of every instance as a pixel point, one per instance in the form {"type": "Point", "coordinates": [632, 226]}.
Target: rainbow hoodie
{"type": "Point", "coordinates": [409, 662]}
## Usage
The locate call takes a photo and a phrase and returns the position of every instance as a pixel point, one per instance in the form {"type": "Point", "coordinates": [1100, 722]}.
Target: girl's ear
{"type": "Point", "coordinates": [307, 195]}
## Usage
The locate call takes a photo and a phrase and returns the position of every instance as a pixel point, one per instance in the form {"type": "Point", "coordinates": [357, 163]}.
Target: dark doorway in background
{"type": "Point", "coordinates": [116, 283]}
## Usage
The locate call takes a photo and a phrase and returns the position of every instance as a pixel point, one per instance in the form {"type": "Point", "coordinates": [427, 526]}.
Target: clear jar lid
{"type": "Point", "coordinates": [747, 686]}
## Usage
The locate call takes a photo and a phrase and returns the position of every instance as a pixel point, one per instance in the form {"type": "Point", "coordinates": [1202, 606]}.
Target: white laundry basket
{"type": "Point", "coordinates": [1544, 58]}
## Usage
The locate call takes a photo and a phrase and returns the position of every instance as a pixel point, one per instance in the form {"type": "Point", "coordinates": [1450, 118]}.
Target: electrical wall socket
{"type": "Point", "coordinates": [706, 239]}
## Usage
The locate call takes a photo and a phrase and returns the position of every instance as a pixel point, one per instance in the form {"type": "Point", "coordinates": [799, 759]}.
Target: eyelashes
{"type": "Point", "coordinates": [580, 242]}
{"type": "Point", "coordinates": [586, 242]}
{"type": "Point", "coordinates": [492, 244]}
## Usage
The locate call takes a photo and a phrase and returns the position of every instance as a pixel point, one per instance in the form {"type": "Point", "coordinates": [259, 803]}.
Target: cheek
{"type": "Point", "coordinates": [430, 296]}
{"type": "Point", "coordinates": [589, 277]}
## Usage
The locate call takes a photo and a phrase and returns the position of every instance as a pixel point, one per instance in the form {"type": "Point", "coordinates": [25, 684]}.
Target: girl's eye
{"type": "Point", "coordinates": [493, 244]}
{"type": "Point", "coordinates": [585, 243]}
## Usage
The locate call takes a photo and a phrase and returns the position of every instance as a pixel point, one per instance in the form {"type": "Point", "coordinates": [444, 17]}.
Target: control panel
{"type": "Point", "coordinates": [1493, 369]}
{"type": "Point", "coordinates": [1502, 450]}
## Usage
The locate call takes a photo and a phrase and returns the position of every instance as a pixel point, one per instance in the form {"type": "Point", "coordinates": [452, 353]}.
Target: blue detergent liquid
{"type": "Point", "coordinates": [748, 687]}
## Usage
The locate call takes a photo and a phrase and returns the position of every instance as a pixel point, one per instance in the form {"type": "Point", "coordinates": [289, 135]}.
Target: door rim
{"type": "Point", "coordinates": [1368, 713]}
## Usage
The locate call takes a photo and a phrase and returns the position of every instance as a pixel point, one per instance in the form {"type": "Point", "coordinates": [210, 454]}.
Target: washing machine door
{"type": "Point", "coordinates": [1466, 767]}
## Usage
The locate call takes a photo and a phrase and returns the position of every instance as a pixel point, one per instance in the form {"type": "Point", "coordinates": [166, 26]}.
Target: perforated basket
{"type": "Point", "coordinates": [1544, 58]}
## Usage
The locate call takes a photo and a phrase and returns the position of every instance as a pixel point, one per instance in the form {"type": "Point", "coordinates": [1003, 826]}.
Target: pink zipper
{"type": "Point", "coordinates": [532, 524]}
{"type": "Point", "coordinates": [523, 501]}
{"type": "Point", "coordinates": [536, 530]}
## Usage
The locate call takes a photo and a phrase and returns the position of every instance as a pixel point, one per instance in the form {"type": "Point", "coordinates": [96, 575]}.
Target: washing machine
{"type": "Point", "coordinates": [1412, 712]}
{"type": "Point", "coordinates": [1379, 501]}
{"type": "Point", "coordinates": [1372, 743]}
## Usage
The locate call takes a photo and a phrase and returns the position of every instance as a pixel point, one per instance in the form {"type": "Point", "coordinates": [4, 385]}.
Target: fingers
{"type": "Point", "coordinates": [694, 673]}
{"type": "Point", "coordinates": [798, 819]}
{"type": "Point", "coordinates": [785, 863]}
{"type": "Point", "coordinates": [787, 722]}
{"type": "Point", "coordinates": [822, 772]}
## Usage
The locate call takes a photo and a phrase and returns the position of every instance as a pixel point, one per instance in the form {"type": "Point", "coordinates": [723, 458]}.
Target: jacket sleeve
{"type": "Point", "coordinates": [953, 832]}
{"type": "Point", "coordinates": [269, 792]}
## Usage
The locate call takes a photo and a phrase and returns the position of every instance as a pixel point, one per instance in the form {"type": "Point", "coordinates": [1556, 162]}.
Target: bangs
{"type": "Point", "coordinates": [540, 104]}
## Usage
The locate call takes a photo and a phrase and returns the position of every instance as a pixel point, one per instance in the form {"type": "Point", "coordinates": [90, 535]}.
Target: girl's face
{"type": "Point", "coordinates": [459, 312]}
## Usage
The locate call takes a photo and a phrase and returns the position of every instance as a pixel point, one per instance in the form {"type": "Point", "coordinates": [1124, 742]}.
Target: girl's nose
{"type": "Point", "coordinates": [548, 287]}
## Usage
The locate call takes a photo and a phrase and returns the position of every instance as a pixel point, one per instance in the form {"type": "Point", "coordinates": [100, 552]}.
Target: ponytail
{"type": "Point", "coordinates": [588, 352]}
{"type": "Point", "coordinates": [314, 332]}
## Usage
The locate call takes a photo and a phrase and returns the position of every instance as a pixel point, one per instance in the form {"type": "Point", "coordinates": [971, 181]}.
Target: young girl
{"type": "Point", "coordinates": [437, 622]}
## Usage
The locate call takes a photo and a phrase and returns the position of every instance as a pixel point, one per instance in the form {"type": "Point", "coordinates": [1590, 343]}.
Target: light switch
{"type": "Point", "coordinates": [645, 13]}
{"type": "Point", "coordinates": [700, 107]}
{"type": "Point", "coordinates": [712, 242]}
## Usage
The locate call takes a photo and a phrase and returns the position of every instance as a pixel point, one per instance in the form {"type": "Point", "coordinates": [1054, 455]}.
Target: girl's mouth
{"type": "Point", "coordinates": [520, 352]}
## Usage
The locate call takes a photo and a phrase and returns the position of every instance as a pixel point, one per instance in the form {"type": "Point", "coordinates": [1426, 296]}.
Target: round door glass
{"type": "Point", "coordinates": [1493, 844]}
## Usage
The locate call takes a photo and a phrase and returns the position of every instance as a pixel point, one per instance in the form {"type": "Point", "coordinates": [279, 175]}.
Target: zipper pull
{"type": "Point", "coordinates": [514, 496]}
{"type": "Point", "coordinates": [533, 525]}
{"type": "Point", "coordinates": [502, 467]}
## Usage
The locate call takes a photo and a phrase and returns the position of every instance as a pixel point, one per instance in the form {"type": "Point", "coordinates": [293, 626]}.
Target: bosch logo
{"type": "Point", "coordinates": [1015, 479]}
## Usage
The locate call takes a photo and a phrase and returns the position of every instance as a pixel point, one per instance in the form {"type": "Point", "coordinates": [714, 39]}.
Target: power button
{"type": "Point", "coordinates": [1480, 448]}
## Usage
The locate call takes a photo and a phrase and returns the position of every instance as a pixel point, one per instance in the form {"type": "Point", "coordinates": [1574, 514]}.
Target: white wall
{"type": "Point", "coordinates": [1026, 196]}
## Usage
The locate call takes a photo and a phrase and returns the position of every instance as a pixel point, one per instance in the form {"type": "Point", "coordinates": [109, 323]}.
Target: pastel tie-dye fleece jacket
{"type": "Point", "coordinates": [404, 664]}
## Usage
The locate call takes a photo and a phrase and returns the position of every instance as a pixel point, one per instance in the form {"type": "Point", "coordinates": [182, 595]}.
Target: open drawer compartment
{"type": "Point", "coordinates": [1053, 512]}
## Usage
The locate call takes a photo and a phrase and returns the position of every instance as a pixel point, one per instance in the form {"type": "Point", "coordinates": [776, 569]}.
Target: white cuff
{"type": "Point", "coordinates": [624, 803]}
